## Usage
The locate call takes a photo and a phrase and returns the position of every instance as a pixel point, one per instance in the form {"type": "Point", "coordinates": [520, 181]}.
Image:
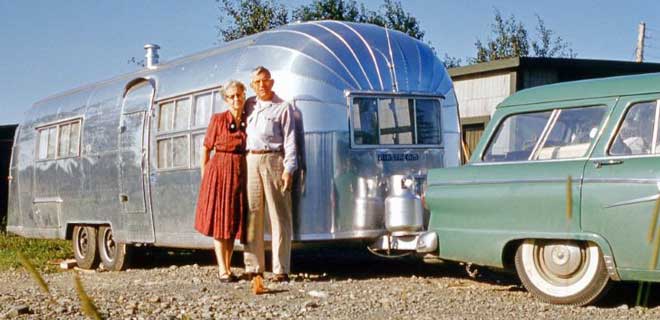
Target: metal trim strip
{"type": "Point", "coordinates": [634, 201]}
{"type": "Point", "coordinates": [47, 200]}
{"type": "Point", "coordinates": [501, 181]}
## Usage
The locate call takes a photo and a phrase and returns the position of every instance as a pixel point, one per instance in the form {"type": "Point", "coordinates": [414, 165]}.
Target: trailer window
{"type": "Point", "coordinates": [182, 114]}
{"type": "Point", "coordinates": [396, 121]}
{"type": "Point", "coordinates": [203, 109]}
{"type": "Point", "coordinates": [182, 123]}
{"type": "Point", "coordinates": [43, 144]}
{"type": "Point", "coordinates": [59, 140]}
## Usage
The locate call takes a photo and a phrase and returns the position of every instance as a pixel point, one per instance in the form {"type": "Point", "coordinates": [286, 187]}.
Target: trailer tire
{"type": "Point", "coordinates": [85, 249]}
{"type": "Point", "coordinates": [562, 271]}
{"type": "Point", "coordinates": [115, 256]}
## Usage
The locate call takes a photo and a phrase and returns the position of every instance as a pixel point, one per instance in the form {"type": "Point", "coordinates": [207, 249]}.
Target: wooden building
{"type": "Point", "coordinates": [480, 87]}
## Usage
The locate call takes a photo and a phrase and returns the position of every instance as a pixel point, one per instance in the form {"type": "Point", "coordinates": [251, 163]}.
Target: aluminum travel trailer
{"type": "Point", "coordinates": [115, 164]}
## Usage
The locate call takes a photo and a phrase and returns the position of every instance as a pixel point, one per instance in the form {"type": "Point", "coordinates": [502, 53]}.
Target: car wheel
{"type": "Point", "coordinates": [84, 247]}
{"type": "Point", "coordinates": [562, 271]}
{"type": "Point", "coordinates": [114, 256]}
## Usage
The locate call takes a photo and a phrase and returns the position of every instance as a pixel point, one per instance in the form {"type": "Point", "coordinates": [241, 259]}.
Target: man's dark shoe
{"type": "Point", "coordinates": [249, 275]}
{"type": "Point", "coordinates": [282, 277]}
{"type": "Point", "coordinates": [228, 278]}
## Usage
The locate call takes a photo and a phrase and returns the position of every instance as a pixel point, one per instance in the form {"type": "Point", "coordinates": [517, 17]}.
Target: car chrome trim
{"type": "Point", "coordinates": [611, 268]}
{"type": "Point", "coordinates": [621, 180]}
{"type": "Point", "coordinates": [526, 161]}
{"type": "Point", "coordinates": [502, 181]}
{"type": "Point", "coordinates": [634, 201]}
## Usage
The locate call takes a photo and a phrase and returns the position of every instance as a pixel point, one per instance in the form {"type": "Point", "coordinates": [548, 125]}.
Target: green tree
{"type": "Point", "coordinates": [248, 17]}
{"type": "Point", "coordinates": [330, 10]}
{"type": "Point", "coordinates": [511, 39]}
{"type": "Point", "coordinates": [390, 14]}
{"type": "Point", "coordinates": [398, 19]}
{"type": "Point", "coordinates": [547, 46]}
{"type": "Point", "coordinates": [451, 62]}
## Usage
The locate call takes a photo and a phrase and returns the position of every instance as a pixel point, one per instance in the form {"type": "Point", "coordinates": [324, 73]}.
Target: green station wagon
{"type": "Point", "coordinates": [564, 186]}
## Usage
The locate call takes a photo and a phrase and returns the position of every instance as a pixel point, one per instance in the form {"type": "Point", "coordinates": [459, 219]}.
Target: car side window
{"type": "Point", "coordinates": [635, 135]}
{"type": "Point", "coordinates": [516, 137]}
{"type": "Point", "coordinates": [572, 133]}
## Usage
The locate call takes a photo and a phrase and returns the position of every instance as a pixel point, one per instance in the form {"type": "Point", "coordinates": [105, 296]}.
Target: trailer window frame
{"type": "Point", "coordinates": [57, 126]}
{"type": "Point", "coordinates": [351, 96]}
{"type": "Point", "coordinates": [192, 129]}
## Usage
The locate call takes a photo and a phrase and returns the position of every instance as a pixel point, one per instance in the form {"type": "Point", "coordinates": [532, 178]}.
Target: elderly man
{"type": "Point", "coordinates": [271, 162]}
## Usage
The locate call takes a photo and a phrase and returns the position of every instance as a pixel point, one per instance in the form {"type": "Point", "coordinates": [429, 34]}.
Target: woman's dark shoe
{"type": "Point", "coordinates": [280, 277]}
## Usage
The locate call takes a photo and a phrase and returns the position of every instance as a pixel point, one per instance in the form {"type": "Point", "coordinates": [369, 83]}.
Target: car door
{"type": "Point", "coordinates": [519, 182]}
{"type": "Point", "coordinates": [622, 183]}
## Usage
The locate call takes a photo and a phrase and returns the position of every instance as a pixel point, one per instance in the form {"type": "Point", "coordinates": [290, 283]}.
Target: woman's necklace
{"type": "Point", "coordinates": [236, 122]}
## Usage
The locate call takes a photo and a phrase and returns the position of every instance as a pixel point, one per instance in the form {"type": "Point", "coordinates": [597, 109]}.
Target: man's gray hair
{"type": "Point", "coordinates": [232, 84]}
{"type": "Point", "coordinates": [259, 70]}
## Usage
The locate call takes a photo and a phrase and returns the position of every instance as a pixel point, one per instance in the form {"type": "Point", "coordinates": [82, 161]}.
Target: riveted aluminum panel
{"type": "Point", "coordinates": [314, 64]}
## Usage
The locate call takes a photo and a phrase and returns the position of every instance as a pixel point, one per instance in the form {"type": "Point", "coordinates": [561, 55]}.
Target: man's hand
{"type": "Point", "coordinates": [287, 181]}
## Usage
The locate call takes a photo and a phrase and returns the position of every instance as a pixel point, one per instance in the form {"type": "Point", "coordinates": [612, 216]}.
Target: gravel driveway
{"type": "Point", "coordinates": [327, 284]}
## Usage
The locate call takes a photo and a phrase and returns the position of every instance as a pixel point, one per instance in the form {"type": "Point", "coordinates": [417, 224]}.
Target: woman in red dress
{"type": "Point", "coordinates": [222, 203]}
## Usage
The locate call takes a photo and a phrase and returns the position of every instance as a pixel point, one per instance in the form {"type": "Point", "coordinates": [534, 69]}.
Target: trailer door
{"type": "Point", "coordinates": [132, 163]}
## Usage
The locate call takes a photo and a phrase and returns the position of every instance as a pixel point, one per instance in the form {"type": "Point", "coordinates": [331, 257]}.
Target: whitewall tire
{"type": "Point", "coordinates": [562, 271]}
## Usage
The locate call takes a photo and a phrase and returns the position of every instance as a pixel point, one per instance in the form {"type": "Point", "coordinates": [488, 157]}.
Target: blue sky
{"type": "Point", "coordinates": [52, 46]}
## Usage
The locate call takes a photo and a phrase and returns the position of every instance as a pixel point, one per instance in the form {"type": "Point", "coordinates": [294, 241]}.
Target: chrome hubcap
{"type": "Point", "coordinates": [561, 262]}
{"type": "Point", "coordinates": [83, 241]}
{"type": "Point", "coordinates": [109, 242]}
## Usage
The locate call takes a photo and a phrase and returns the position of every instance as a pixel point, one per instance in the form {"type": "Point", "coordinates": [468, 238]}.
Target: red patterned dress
{"type": "Point", "coordinates": [222, 202]}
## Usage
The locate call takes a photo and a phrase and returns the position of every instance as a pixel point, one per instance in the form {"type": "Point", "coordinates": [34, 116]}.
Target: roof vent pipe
{"type": "Point", "coordinates": [151, 55]}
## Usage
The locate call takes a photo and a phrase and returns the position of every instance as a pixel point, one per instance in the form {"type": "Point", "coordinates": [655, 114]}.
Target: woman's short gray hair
{"type": "Point", "coordinates": [232, 84]}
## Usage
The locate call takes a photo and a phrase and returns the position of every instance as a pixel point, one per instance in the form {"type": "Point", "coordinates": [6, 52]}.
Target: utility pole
{"type": "Point", "coordinates": [641, 34]}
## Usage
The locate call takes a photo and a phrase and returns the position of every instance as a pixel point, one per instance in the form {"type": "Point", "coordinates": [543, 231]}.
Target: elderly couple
{"type": "Point", "coordinates": [253, 166]}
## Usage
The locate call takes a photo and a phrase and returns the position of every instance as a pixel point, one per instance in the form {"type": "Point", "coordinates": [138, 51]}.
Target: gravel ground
{"type": "Point", "coordinates": [326, 285]}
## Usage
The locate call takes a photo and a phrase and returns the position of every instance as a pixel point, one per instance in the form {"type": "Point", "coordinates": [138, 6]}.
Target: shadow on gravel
{"type": "Point", "coordinates": [626, 293]}
{"type": "Point", "coordinates": [321, 262]}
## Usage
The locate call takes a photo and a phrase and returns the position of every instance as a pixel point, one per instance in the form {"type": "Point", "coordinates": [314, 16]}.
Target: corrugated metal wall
{"type": "Point", "coordinates": [479, 96]}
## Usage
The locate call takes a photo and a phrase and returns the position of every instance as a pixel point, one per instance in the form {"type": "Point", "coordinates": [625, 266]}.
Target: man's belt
{"type": "Point", "coordinates": [265, 151]}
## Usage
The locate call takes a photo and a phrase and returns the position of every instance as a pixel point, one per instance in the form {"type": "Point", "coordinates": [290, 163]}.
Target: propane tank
{"type": "Point", "coordinates": [369, 206]}
{"type": "Point", "coordinates": [403, 209]}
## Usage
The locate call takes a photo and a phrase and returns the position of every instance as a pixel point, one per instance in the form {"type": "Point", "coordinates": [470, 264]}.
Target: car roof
{"type": "Point", "coordinates": [586, 89]}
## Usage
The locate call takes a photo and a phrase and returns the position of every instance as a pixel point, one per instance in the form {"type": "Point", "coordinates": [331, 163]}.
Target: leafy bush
{"type": "Point", "coordinates": [39, 251]}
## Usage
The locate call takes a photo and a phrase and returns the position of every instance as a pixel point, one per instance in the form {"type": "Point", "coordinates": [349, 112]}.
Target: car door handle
{"type": "Point", "coordinates": [600, 163]}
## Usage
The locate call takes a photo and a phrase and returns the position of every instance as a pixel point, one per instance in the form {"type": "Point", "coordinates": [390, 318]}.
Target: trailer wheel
{"type": "Point", "coordinates": [115, 256]}
{"type": "Point", "coordinates": [84, 247]}
{"type": "Point", "coordinates": [562, 271]}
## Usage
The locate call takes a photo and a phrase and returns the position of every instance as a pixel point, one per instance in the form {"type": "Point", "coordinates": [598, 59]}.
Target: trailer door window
{"type": "Point", "coordinates": [396, 121]}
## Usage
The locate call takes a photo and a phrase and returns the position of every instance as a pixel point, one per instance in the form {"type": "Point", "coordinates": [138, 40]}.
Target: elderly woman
{"type": "Point", "coordinates": [222, 202]}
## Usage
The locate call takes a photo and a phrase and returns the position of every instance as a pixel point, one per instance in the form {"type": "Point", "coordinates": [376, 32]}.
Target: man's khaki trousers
{"type": "Point", "coordinates": [264, 186]}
